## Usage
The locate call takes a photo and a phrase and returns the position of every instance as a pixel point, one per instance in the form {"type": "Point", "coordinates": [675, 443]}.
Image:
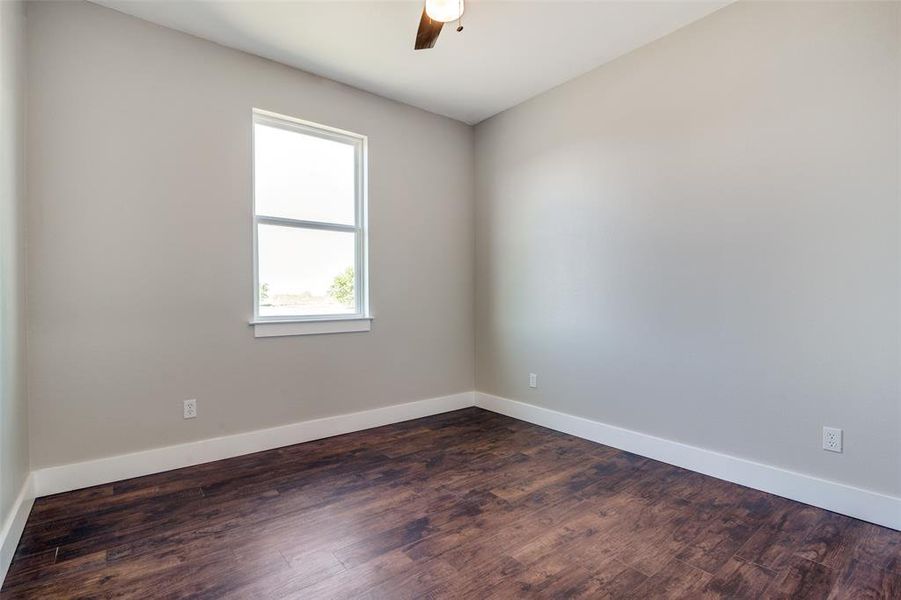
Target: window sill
{"type": "Point", "coordinates": [310, 326]}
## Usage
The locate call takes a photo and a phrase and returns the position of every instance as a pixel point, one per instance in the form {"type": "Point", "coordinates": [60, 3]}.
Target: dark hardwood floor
{"type": "Point", "coordinates": [468, 504]}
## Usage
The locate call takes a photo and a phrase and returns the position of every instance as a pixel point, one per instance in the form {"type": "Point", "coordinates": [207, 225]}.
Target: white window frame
{"type": "Point", "coordinates": [360, 319]}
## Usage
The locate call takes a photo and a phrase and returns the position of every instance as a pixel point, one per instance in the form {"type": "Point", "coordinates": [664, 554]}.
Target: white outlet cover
{"type": "Point", "coordinates": [832, 439]}
{"type": "Point", "coordinates": [190, 408]}
{"type": "Point", "coordinates": [533, 380]}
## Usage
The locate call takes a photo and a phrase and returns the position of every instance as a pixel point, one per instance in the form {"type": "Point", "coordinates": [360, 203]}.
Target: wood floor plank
{"type": "Point", "coordinates": [802, 579]}
{"type": "Point", "coordinates": [831, 540]}
{"type": "Point", "coordinates": [568, 570]}
{"type": "Point", "coordinates": [880, 547]}
{"type": "Point", "coordinates": [716, 544]}
{"type": "Point", "coordinates": [865, 581]}
{"type": "Point", "coordinates": [739, 580]}
{"type": "Point", "coordinates": [467, 504]}
{"type": "Point", "coordinates": [675, 580]}
{"type": "Point", "coordinates": [781, 536]}
{"type": "Point", "coordinates": [659, 532]}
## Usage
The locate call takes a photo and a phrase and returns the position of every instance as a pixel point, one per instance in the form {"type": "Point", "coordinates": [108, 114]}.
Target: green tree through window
{"type": "Point", "coordinates": [342, 288]}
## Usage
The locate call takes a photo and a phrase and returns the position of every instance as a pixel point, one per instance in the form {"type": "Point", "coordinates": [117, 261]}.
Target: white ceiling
{"type": "Point", "coordinates": [508, 52]}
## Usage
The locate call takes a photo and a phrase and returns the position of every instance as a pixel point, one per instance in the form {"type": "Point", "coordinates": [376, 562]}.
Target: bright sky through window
{"type": "Point", "coordinates": [307, 196]}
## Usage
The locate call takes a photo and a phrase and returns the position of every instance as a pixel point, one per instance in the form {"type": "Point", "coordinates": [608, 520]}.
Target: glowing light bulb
{"type": "Point", "coordinates": [444, 10]}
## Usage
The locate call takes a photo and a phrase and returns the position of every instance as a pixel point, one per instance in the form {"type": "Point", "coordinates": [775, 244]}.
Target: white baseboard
{"type": "Point", "coordinates": [837, 497]}
{"type": "Point", "coordinates": [830, 495]}
{"type": "Point", "coordinates": [15, 524]}
{"type": "Point", "coordinates": [64, 478]}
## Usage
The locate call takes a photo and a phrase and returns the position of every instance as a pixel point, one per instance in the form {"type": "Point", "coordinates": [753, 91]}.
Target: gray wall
{"type": "Point", "coordinates": [700, 240]}
{"type": "Point", "coordinates": [13, 410]}
{"type": "Point", "coordinates": [140, 243]}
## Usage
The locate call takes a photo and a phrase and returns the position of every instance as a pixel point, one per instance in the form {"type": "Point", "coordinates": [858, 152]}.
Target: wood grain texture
{"type": "Point", "coordinates": [427, 33]}
{"type": "Point", "coordinates": [467, 504]}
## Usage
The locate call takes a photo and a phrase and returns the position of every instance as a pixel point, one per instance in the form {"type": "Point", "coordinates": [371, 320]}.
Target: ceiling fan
{"type": "Point", "coordinates": [435, 14]}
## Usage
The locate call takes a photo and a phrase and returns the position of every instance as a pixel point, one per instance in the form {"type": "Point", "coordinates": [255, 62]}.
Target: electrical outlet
{"type": "Point", "coordinates": [190, 408]}
{"type": "Point", "coordinates": [533, 380]}
{"type": "Point", "coordinates": [832, 439]}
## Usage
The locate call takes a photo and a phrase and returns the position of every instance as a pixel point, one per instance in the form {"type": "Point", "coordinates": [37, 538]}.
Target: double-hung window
{"type": "Point", "coordinates": [309, 191]}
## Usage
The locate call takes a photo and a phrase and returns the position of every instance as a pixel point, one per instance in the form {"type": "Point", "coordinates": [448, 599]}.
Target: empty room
{"type": "Point", "coordinates": [450, 299]}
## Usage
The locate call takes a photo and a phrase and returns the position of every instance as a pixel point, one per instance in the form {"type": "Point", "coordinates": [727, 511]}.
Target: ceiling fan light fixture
{"type": "Point", "coordinates": [444, 11]}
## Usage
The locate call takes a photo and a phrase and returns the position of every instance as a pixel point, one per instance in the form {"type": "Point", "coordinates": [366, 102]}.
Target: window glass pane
{"type": "Point", "coordinates": [305, 271]}
{"type": "Point", "coordinates": [301, 176]}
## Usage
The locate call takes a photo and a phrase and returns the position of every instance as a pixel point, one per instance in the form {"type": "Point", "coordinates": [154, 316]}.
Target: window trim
{"type": "Point", "coordinates": [266, 326]}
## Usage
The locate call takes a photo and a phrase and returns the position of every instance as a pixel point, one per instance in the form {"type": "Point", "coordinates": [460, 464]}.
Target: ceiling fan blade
{"type": "Point", "coordinates": [427, 33]}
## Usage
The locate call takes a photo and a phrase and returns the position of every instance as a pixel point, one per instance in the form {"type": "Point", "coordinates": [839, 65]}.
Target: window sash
{"type": "Point", "coordinates": [301, 224]}
{"type": "Point", "coordinates": [361, 283]}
